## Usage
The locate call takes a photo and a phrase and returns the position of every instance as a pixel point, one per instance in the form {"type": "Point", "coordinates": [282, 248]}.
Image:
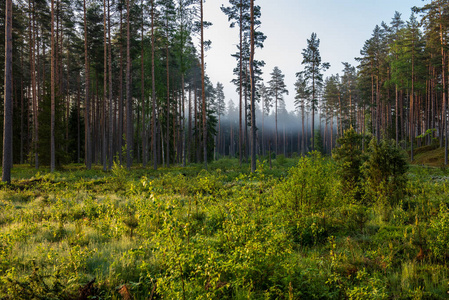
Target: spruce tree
{"type": "Point", "coordinates": [313, 68]}
{"type": "Point", "coordinates": [277, 91]}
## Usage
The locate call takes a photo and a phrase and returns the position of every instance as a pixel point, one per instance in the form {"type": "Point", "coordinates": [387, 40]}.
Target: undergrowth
{"type": "Point", "coordinates": [184, 233]}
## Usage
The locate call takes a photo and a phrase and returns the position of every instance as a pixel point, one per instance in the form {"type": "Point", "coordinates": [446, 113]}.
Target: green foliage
{"type": "Point", "coordinates": [308, 187]}
{"type": "Point", "coordinates": [439, 244]}
{"type": "Point", "coordinates": [35, 285]}
{"type": "Point", "coordinates": [220, 234]}
{"type": "Point", "coordinates": [280, 159]}
{"type": "Point", "coordinates": [349, 158]}
{"type": "Point", "coordinates": [318, 140]}
{"type": "Point", "coordinates": [120, 173]}
{"type": "Point", "coordinates": [385, 172]}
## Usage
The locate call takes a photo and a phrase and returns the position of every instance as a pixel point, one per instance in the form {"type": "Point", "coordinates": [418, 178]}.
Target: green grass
{"type": "Point", "coordinates": [220, 234]}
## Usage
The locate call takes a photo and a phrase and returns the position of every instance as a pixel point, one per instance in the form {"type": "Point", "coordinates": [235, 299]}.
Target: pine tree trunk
{"type": "Point", "coordinates": [142, 92]}
{"type": "Point", "coordinates": [331, 130]}
{"type": "Point", "coordinates": [313, 112]}
{"type": "Point", "coordinates": [78, 106]}
{"type": "Point", "coordinates": [88, 148]}
{"type": "Point", "coordinates": [33, 86]}
{"type": "Point", "coordinates": [153, 87]}
{"type": "Point", "coordinates": [378, 109]}
{"type": "Point", "coordinates": [197, 127]}
{"type": "Point", "coordinates": [253, 95]}
{"type": "Point", "coordinates": [111, 125]}
{"type": "Point", "coordinates": [240, 82]}
{"type": "Point", "coordinates": [67, 111]}
{"type": "Point", "coordinates": [129, 112]}
{"type": "Point", "coordinates": [22, 91]}
{"type": "Point", "coordinates": [168, 105]}
{"type": "Point", "coordinates": [183, 126]}
{"type": "Point", "coordinates": [53, 71]}
{"type": "Point", "coordinates": [276, 123]}
{"type": "Point", "coordinates": [120, 104]}
{"type": "Point", "coordinates": [105, 87]}
{"type": "Point", "coordinates": [303, 137]}
{"type": "Point", "coordinates": [245, 99]}
{"type": "Point", "coordinates": [7, 116]}
{"type": "Point", "coordinates": [203, 89]}
{"type": "Point", "coordinates": [444, 108]}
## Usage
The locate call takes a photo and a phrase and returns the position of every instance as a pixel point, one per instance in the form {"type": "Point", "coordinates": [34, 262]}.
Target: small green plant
{"type": "Point", "coordinates": [439, 225]}
{"type": "Point", "coordinates": [385, 172]}
{"type": "Point", "coordinates": [281, 160]}
{"type": "Point", "coordinates": [308, 187]}
{"type": "Point", "coordinates": [120, 174]}
{"type": "Point", "coordinates": [349, 158]}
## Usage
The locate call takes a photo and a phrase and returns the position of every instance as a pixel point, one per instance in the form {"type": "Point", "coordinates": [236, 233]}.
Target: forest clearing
{"type": "Point", "coordinates": [286, 232]}
{"type": "Point", "coordinates": [128, 172]}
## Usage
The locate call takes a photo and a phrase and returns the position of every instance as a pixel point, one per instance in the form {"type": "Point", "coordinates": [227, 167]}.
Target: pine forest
{"type": "Point", "coordinates": [129, 173]}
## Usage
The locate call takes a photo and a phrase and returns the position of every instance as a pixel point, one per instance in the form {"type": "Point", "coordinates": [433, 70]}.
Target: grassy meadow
{"type": "Point", "coordinates": [286, 232]}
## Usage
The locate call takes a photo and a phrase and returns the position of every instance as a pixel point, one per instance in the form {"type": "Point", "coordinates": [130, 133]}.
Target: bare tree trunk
{"type": "Point", "coordinates": [88, 148]}
{"type": "Point", "coordinates": [303, 146]}
{"type": "Point", "coordinates": [53, 70]}
{"type": "Point", "coordinates": [105, 87]}
{"type": "Point", "coordinates": [33, 86]}
{"type": "Point", "coordinates": [183, 118]}
{"type": "Point", "coordinates": [276, 122]}
{"type": "Point", "coordinates": [378, 109]}
{"type": "Point", "coordinates": [67, 110]}
{"type": "Point", "coordinates": [176, 134]}
{"type": "Point", "coordinates": [397, 114]}
{"type": "Point", "coordinates": [111, 125]}
{"type": "Point", "coordinates": [189, 133]}
{"type": "Point", "coordinates": [444, 108]}
{"type": "Point", "coordinates": [142, 92]}
{"type": "Point", "coordinates": [241, 83]}
{"type": "Point", "coordinates": [203, 90]}
{"type": "Point", "coordinates": [197, 126]}
{"type": "Point", "coordinates": [129, 112]}
{"type": "Point", "coordinates": [253, 91]}
{"type": "Point", "coordinates": [168, 105]}
{"type": "Point", "coordinates": [313, 111]}
{"type": "Point", "coordinates": [22, 91]}
{"type": "Point", "coordinates": [153, 87]}
{"type": "Point", "coordinates": [78, 121]}
{"type": "Point", "coordinates": [120, 104]}
{"type": "Point", "coordinates": [332, 133]}
{"type": "Point", "coordinates": [245, 145]}
{"type": "Point", "coordinates": [7, 123]}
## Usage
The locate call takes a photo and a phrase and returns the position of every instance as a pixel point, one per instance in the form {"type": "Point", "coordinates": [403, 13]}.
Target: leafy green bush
{"type": "Point", "coordinates": [308, 186]}
{"type": "Point", "coordinates": [439, 225]}
{"type": "Point", "coordinates": [353, 216]}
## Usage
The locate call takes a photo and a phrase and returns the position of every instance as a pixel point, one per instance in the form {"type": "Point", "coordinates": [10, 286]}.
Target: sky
{"type": "Point", "coordinates": [342, 26]}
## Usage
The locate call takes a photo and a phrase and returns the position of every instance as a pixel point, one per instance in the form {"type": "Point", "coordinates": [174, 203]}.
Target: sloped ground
{"type": "Point", "coordinates": [429, 156]}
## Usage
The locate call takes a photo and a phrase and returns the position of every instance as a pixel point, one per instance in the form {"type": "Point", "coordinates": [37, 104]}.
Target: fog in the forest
{"type": "Point", "coordinates": [293, 139]}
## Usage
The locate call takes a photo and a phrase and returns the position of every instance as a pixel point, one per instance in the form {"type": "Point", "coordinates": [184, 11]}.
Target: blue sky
{"type": "Point", "coordinates": [343, 26]}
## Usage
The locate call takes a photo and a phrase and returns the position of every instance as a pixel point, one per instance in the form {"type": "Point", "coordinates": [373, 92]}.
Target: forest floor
{"type": "Point", "coordinates": [286, 232]}
{"type": "Point", "coordinates": [429, 156]}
